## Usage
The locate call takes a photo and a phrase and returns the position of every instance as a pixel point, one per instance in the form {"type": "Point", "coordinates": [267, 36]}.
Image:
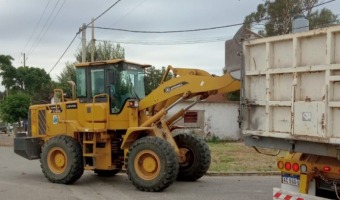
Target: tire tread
{"type": "Point", "coordinates": [76, 159]}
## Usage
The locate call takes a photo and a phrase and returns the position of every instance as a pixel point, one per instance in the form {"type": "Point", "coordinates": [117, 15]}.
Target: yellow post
{"type": "Point", "coordinates": [304, 182]}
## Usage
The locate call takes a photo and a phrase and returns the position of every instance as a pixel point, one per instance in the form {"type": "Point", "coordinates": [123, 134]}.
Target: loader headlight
{"type": "Point", "coordinates": [133, 103]}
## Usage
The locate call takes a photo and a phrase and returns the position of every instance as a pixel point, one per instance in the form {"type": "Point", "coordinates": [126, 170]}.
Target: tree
{"type": "Point", "coordinates": [323, 18]}
{"type": "Point", "coordinates": [14, 108]}
{"type": "Point", "coordinates": [153, 78]}
{"type": "Point", "coordinates": [105, 50]}
{"type": "Point", "coordinates": [277, 15]}
{"type": "Point", "coordinates": [8, 72]}
{"type": "Point", "coordinates": [30, 80]}
{"type": "Point", "coordinates": [68, 74]}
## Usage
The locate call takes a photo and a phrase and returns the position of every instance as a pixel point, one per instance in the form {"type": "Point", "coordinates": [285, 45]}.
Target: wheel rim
{"type": "Point", "coordinates": [57, 160]}
{"type": "Point", "coordinates": [186, 157]}
{"type": "Point", "coordinates": [147, 164]}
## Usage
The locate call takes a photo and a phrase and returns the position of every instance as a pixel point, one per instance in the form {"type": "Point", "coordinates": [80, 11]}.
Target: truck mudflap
{"type": "Point", "coordinates": [279, 193]}
{"type": "Point", "coordinates": [27, 147]}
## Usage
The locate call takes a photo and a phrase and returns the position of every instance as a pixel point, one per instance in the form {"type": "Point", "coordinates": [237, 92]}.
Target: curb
{"type": "Point", "coordinates": [270, 173]}
{"type": "Point", "coordinates": [210, 173]}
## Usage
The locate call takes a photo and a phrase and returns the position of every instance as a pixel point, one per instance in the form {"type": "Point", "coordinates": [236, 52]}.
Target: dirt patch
{"type": "Point", "coordinates": [6, 139]}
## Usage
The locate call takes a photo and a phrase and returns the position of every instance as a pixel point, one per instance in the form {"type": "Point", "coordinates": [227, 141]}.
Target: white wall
{"type": "Point", "coordinates": [220, 119]}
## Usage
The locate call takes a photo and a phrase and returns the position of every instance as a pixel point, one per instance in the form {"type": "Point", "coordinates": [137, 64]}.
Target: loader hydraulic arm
{"type": "Point", "coordinates": [185, 84]}
{"type": "Point", "coordinates": [192, 82]}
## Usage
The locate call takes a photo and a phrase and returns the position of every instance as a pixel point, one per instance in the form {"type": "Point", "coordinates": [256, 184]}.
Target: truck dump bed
{"type": "Point", "coordinates": [291, 92]}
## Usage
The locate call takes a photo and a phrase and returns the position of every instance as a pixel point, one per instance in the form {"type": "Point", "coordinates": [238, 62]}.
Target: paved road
{"type": "Point", "coordinates": [23, 179]}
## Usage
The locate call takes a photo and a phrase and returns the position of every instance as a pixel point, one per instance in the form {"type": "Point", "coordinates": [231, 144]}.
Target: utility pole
{"type": "Point", "coordinates": [83, 39]}
{"type": "Point", "coordinates": [93, 42]}
{"type": "Point", "coordinates": [24, 61]}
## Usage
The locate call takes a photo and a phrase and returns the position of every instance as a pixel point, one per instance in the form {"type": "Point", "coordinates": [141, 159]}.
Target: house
{"type": "Point", "coordinates": [213, 118]}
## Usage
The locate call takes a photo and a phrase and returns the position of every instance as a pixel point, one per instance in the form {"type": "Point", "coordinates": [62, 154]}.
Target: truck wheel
{"type": "Point", "coordinates": [151, 164]}
{"type": "Point", "coordinates": [106, 173]}
{"type": "Point", "coordinates": [61, 160]}
{"type": "Point", "coordinates": [194, 158]}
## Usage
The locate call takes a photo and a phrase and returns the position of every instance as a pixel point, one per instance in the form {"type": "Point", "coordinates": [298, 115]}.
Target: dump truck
{"type": "Point", "coordinates": [109, 124]}
{"type": "Point", "coordinates": [291, 102]}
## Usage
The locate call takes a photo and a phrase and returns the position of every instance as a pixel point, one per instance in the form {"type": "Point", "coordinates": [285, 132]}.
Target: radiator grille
{"type": "Point", "coordinates": [42, 122]}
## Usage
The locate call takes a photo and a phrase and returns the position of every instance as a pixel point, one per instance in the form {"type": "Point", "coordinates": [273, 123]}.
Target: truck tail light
{"type": "Point", "coordinates": [288, 166]}
{"type": "Point", "coordinates": [280, 165]}
{"type": "Point", "coordinates": [295, 167]}
{"type": "Point", "coordinates": [326, 168]}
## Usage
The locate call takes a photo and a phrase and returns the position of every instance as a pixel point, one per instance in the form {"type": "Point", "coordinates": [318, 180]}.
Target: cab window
{"type": "Point", "coordinates": [97, 81]}
{"type": "Point", "coordinates": [81, 82]}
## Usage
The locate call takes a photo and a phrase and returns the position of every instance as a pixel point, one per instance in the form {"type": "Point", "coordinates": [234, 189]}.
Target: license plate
{"type": "Point", "coordinates": [291, 179]}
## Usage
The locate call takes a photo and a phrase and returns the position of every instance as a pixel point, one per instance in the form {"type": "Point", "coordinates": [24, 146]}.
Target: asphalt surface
{"type": "Point", "coordinates": [23, 179]}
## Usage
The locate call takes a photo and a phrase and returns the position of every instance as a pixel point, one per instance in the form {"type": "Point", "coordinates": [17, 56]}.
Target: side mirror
{"type": "Point", "coordinates": [73, 86]}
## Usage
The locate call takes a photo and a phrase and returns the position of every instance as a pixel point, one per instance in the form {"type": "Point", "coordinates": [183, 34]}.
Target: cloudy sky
{"type": "Point", "coordinates": [42, 29]}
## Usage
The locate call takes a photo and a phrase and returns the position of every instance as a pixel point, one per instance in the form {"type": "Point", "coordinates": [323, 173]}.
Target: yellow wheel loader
{"type": "Point", "coordinates": [109, 124]}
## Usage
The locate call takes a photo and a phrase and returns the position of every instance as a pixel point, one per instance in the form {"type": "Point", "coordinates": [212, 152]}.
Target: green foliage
{"type": "Point", "coordinates": [214, 139]}
{"type": "Point", "coordinates": [323, 18]}
{"type": "Point", "coordinates": [68, 74]}
{"type": "Point", "coordinates": [15, 107]}
{"type": "Point", "coordinates": [234, 96]}
{"type": "Point", "coordinates": [30, 80]}
{"type": "Point", "coordinates": [277, 15]}
{"type": "Point", "coordinates": [103, 51]}
{"type": "Point", "coordinates": [8, 72]}
{"type": "Point", "coordinates": [153, 78]}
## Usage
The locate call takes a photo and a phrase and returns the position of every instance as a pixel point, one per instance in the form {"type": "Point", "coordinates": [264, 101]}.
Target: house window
{"type": "Point", "coordinates": [190, 117]}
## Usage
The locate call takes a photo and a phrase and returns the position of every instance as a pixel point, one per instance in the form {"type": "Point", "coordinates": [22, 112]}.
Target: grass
{"type": "Point", "coordinates": [236, 157]}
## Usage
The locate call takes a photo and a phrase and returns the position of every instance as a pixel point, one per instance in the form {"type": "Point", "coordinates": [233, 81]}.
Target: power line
{"type": "Point", "coordinates": [162, 32]}
{"type": "Point", "coordinates": [171, 42]}
{"type": "Point", "coordinates": [62, 55]}
{"type": "Point", "coordinates": [192, 30]}
{"type": "Point", "coordinates": [126, 14]}
{"type": "Point", "coordinates": [172, 31]}
{"type": "Point", "coordinates": [49, 25]}
{"type": "Point", "coordinates": [41, 31]}
{"type": "Point", "coordinates": [195, 40]}
{"type": "Point", "coordinates": [323, 3]}
{"type": "Point", "coordinates": [36, 26]}
{"type": "Point", "coordinates": [104, 12]}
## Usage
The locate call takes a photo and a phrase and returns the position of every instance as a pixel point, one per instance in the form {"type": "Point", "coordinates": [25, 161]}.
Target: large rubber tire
{"type": "Point", "coordinates": [195, 157]}
{"type": "Point", "coordinates": [106, 173]}
{"type": "Point", "coordinates": [61, 160]}
{"type": "Point", "coordinates": [152, 164]}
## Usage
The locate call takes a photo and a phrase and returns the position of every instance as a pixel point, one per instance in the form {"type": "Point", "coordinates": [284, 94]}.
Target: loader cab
{"type": "Point", "coordinates": [120, 79]}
